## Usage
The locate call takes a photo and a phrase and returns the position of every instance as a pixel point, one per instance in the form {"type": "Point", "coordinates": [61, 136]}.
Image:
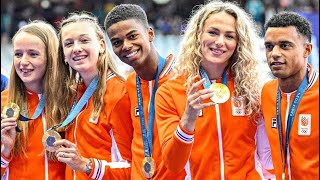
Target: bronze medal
{"type": "Point", "coordinates": [11, 110]}
{"type": "Point", "coordinates": [49, 138]}
{"type": "Point", "coordinates": [221, 93]}
{"type": "Point", "coordinates": [148, 167]}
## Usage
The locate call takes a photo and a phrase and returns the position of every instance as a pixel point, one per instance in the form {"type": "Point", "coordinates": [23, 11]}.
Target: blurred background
{"type": "Point", "coordinates": [167, 17]}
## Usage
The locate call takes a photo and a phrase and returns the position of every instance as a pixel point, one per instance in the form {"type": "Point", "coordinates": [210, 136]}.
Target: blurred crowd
{"type": "Point", "coordinates": [167, 17]}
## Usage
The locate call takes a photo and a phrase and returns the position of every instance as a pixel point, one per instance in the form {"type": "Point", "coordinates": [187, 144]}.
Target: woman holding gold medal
{"type": "Point", "coordinates": [93, 87]}
{"type": "Point", "coordinates": [214, 132]}
{"type": "Point", "coordinates": [34, 70]}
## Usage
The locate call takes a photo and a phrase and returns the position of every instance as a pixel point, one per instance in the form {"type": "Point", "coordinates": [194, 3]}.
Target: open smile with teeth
{"type": "Point", "coordinates": [216, 51]}
{"type": "Point", "coordinates": [78, 58]}
{"type": "Point", "coordinates": [131, 54]}
{"type": "Point", "coordinates": [26, 70]}
{"type": "Point", "coordinates": [277, 63]}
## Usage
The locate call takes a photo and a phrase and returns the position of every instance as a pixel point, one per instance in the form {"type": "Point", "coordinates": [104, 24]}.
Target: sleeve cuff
{"type": "Point", "coordinates": [184, 135]}
{"type": "Point", "coordinates": [5, 161]}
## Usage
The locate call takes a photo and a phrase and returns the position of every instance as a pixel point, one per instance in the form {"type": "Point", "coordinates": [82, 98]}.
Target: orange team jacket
{"type": "Point", "coordinates": [131, 130]}
{"type": "Point", "coordinates": [222, 145]}
{"type": "Point", "coordinates": [35, 165]}
{"type": "Point", "coordinates": [94, 137]}
{"type": "Point", "coordinates": [303, 153]}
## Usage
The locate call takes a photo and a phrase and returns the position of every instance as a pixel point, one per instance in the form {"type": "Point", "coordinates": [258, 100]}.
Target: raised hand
{"type": "Point", "coordinates": [8, 134]}
{"type": "Point", "coordinates": [194, 104]}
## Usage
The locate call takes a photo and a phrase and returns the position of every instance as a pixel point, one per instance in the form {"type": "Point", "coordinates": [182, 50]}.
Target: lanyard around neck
{"type": "Point", "coordinates": [37, 112]}
{"type": "Point", "coordinates": [77, 108]}
{"type": "Point", "coordinates": [207, 82]}
{"type": "Point", "coordinates": [147, 135]}
{"type": "Point", "coordinates": [292, 111]}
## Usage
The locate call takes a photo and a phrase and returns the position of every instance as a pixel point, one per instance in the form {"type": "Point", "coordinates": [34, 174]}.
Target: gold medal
{"type": "Point", "coordinates": [221, 93]}
{"type": "Point", "coordinates": [49, 138]}
{"type": "Point", "coordinates": [148, 167]}
{"type": "Point", "coordinates": [11, 110]}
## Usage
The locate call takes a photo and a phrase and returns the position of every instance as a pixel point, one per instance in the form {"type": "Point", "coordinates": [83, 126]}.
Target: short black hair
{"type": "Point", "coordinates": [285, 19]}
{"type": "Point", "coordinates": [124, 12]}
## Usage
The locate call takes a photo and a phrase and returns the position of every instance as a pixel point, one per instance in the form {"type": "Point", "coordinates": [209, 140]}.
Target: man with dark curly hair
{"type": "Point", "coordinates": [132, 41]}
{"type": "Point", "coordinates": [290, 103]}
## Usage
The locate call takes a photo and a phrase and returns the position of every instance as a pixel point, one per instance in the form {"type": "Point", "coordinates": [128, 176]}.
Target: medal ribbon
{"type": "Point", "coordinates": [147, 135]}
{"type": "Point", "coordinates": [207, 82]}
{"type": "Point", "coordinates": [37, 112]}
{"type": "Point", "coordinates": [83, 100]}
{"type": "Point", "coordinates": [292, 111]}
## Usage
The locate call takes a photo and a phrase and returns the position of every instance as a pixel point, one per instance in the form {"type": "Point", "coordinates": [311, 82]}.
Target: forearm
{"type": "Point", "coordinates": [177, 149]}
{"type": "Point", "coordinates": [110, 170]}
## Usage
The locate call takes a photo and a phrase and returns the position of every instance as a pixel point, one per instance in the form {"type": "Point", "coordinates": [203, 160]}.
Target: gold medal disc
{"type": "Point", "coordinates": [221, 93]}
{"type": "Point", "coordinates": [11, 110]}
{"type": "Point", "coordinates": [49, 138]}
{"type": "Point", "coordinates": [148, 167]}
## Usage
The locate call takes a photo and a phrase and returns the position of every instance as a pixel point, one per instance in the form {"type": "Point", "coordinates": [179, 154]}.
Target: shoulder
{"type": "Point", "coordinates": [4, 97]}
{"type": "Point", "coordinates": [172, 86]}
{"type": "Point", "coordinates": [270, 85]}
{"type": "Point", "coordinates": [170, 60]}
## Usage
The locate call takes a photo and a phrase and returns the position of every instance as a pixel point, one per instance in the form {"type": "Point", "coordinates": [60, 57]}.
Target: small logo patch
{"type": "Point", "coordinates": [136, 111]}
{"type": "Point", "coordinates": [274, 123]}
{"type": "Point", "coordinates": [304, 125]}
{"type": "Point", "coordinates": [238, 108]}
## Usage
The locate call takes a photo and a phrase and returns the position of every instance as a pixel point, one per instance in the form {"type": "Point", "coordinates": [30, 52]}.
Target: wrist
{"type": "Point", "coordinates": [187, 125]}
{"type": "Point", "coordinates": [6, 151]}
{"type": "Point", "coordinates": [88, 168]}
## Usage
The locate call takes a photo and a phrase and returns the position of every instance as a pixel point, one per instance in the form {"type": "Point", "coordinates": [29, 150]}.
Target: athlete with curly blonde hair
{"type": "Point", "coordinates": [216, 139]}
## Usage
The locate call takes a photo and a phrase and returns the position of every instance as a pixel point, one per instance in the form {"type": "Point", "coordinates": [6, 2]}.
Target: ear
{"type": "Point", "coordinates": [307, 50]}
{"type": "Point", "coordinates": [102, 46]}
{"type": "Point", "coordinates": [151, 34]}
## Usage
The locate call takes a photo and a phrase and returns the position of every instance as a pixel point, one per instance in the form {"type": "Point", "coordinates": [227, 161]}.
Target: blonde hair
{"type": "Point", "coordinates": [243, 63]}
{"type": "Point", "coordinates": [69, 76]}
{"type": "Point", "coordinates": [17, 89]}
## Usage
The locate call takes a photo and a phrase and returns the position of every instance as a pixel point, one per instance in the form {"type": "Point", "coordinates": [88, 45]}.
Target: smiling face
{"type": "Point", "coordinates": [286, 52]}
{"type": "Point", "coordinates": [218, 39]}
{"type": "Point", "coordinates": [30, 59]}
{"type": "Point", "coordinates": [131, 42]}
{"type": "Point", "coordinates": [81, 47]}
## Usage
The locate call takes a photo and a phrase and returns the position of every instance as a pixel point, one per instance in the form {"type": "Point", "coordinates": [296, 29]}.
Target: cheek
{"type": "Point", "coordinates": [232, 46]}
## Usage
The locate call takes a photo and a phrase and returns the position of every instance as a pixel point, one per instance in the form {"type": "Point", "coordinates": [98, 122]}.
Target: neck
{"type": "Point", "coordinates": [36, 88]}
{"type": "Point", "coordinates": [292, 83]}
{"type": "Point", "coordinates": [88, 77]}
{"type": "Point", "coordinates": [149, 70]}
{"type": "Point", "coordinates": [214, 71]}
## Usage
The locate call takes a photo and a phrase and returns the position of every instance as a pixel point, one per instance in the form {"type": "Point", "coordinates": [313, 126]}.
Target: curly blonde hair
{"type": "Point", "coordinates": [17, 90]}
{"type": "Point", "coordinates": [69, 76]}
{"type": "Point", "coordinates": [243, 63]}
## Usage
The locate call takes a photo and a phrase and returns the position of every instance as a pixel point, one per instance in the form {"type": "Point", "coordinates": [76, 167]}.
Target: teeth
{"type": "Point", "coordinates": [131, 54]}
{"type": "Point", "coordinates": [217, 51]}
{"type": "Point", "coordinates": [25, 70]}
{"type": "Point", "coordinates": [78, 58]}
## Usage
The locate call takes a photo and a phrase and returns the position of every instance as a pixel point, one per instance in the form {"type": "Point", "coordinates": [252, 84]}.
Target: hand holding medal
{"type": "Point", "coordinates": [11, 110]}
{"type": "Point", "coordinates": [49, 137]}
{"type": "Point", "coordinates": [221, 93]}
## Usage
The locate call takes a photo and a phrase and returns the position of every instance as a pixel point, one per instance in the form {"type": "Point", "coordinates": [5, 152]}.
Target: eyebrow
{"type": "Point", "coordinates": [216, 29]}
{"type": "Point", "coordinates": [132, 31]}
{"type": "Point", "coordinates": [81, 35]}
{"type": "Point", "coordinates": [280, 42]}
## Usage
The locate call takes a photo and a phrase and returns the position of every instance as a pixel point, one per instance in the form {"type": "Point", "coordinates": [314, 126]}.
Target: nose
{"type": "Point", "coordinates": [24, 60]}
{"type": "Point", "coordinates": [275, 53]}
{"type": "Point", "coordinates": [77, 47]}
{"type": "Point", "coordinates": [127, 45]}
{"type": "Point", "coordinates": [220, 41]}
